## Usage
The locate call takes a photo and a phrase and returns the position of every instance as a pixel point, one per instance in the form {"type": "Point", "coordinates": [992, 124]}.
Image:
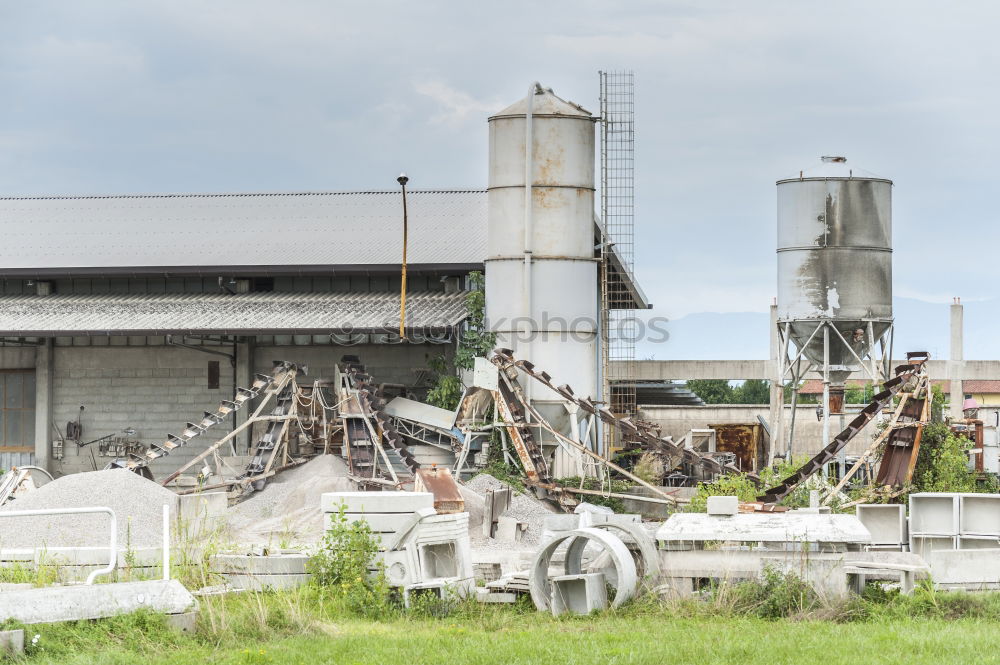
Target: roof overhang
{"type": "Point", "coordinates": [221, 314]}
{"type": "Point", "coordinates": [621, 278]}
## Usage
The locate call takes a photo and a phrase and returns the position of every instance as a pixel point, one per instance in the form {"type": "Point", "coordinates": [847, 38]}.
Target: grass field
{"type": "Point", "coordinates": [301, 627]}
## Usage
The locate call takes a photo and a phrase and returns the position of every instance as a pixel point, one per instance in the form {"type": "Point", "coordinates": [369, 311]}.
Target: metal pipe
{"type": "Point", "coordinates": [112, 544]}
{"type": "Point", "coordinates": [166, 541]}
{"type": "Point", "coordinates": [826, 391]}
{"type": "Point", "coordinates": [402, 180]}
{"type": "Point", "coordinates": [529, 144]}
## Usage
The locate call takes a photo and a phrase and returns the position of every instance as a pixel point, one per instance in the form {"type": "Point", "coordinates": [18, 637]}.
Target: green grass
{"type": "Point", "coordinates": [308, 626]}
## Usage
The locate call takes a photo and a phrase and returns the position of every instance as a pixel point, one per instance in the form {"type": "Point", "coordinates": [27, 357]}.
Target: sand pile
{"type": "Point", "coordinates": [137, 503]}
{"type": "Point", "coordinates": [287, 510]}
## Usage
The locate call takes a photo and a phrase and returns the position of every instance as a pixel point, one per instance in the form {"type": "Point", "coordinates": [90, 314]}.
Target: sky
{"type": "Point", "coordinates": [107, 96]}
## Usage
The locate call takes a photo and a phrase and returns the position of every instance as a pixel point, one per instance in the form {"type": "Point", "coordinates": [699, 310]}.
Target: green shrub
{"type": "Point", "coordinates": [942, 463]}
{"type": "Point", "coordinates": [774, 595]}
{"type": "Point", "coordinates": [346, 566]}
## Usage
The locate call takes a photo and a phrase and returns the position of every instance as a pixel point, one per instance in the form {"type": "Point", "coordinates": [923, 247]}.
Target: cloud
{"type": "Point", "coordinates": [456, 106]}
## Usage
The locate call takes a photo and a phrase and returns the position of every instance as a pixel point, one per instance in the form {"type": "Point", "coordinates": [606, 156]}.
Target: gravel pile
{"type": "Point", "coordinates": [523, 507]}
{"type": "Point", "coordinates": [137, 503]}
{"type": "Point", "coordinates": [287, 510]}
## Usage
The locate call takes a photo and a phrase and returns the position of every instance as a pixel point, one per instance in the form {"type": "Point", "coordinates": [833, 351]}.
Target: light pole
{"type": "Point", "coordinates": [402, 180]}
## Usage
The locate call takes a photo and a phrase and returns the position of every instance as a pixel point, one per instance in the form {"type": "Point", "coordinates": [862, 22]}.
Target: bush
{"type": "Point", "coordinates": [346, 566]}
{"type": "Point", "coordinates": [775, 595]}
{"type": "Point", "coordinates": [942, 463]}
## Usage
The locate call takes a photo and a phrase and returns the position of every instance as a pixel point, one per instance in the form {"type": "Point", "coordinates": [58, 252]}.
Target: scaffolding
{"type": "Point", "coordinates": [618, 321]}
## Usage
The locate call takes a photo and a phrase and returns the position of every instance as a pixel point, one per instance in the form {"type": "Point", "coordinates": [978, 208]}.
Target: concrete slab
{"type": "Point", "coordinates": [261, 582]}
{"type": "Point", "coordinates": [978, 542]}
{"type": "Point", "coordinates": [972, 569]}
{"type": "Point", "coordinates": [75, 603]}
{"type": "Point", "coordinates": [376, 502]}
{"type": "Point", "coordinates": [682, 529]}
{"type": "Point", "coordinates": [281, 564]}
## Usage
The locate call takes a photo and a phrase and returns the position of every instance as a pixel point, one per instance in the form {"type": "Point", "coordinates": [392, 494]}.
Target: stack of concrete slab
{"type": "Point", "coordinates": [887, 525]}
{"type": "Point", "coordinates": [959, 536]}
{"type": "Point", "coordinates": [386, 513]}
{"type": "Point", "coordinates": [697, 548]}
{"type": "Point", "coordinates": [273, 570]}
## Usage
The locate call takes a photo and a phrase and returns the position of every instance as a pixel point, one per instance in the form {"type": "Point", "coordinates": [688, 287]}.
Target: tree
{"type": "Point", "coordinates": [712, 391]}
{"type": "Point", "coordinates": [753, 391]}
{"type": "Point", "coordinates": [476, 341]}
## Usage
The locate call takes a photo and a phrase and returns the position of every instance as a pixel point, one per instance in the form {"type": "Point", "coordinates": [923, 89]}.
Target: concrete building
{"type": "Point", "coordinates": [133, 314]}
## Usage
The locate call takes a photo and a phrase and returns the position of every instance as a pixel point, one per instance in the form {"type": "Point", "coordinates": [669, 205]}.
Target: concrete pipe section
{"type": "Point", "coordinates": [621, 557]}
{"type": "Point", "coordinates": [648, 565]}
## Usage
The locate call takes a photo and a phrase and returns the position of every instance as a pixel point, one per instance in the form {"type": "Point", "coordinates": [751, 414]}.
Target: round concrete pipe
{"type": "Point", "coordinates": [648, 565]}
{"type": "Point", "coordinates": [538, 578]}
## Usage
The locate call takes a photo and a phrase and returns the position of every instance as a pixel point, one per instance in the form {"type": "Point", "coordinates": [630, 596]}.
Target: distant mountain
{"type": "Point", "coordinates": [920, 326]}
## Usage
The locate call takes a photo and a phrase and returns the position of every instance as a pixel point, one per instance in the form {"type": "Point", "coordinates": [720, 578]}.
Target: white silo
{"type": "Point", "coordinates": [541, 271]}
{"type": "Point", "coordinates": [834, 302]}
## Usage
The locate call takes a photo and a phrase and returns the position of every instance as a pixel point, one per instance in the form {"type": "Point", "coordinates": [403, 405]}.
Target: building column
{"type": "Point", "coordinates": [244, 378]}
{"type": "Point", "coordinates": [956, 360]}
{"type": "Point", "coordinates": [777, 415]}
{"type": "Point", "coordinates": [43, 404]}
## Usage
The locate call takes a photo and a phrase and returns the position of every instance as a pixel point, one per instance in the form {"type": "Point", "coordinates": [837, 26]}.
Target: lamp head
{"type": "Point", "coordinates": [402, 179]}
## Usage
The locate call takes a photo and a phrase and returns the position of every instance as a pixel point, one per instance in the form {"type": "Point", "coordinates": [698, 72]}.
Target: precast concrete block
{"type": "Point", "coordinates": [934, 513]}
{"type": "Point", "coordinates": [978, 542]}
{"type": "Point", "coordinates": [886, 523]}
{"type": "Point", "coordinates": [262, 582]}
{"type": "Point", "coordinates": [723, 505]}
{"type": "Point", "coordinates": [280, 564]}
{"type": "Point", "coordinates": [376, 502]}
{"type": "Point", "coordinates": [979, 514]}
{"type": "Point", "coordinates": [578, 594]}
{"type": "Point", "coordinates": [11, 642]}
{"type": "Point", "coordinates": [922, 546]}
{"type": "Point", "coordinates": [185, 622]}
{"type": "Point", "coordinates": [202, 506]}
{"type": "Point", "coordinates": [382, 522]}
{"type": "Point", "coordinates": [969, 569]}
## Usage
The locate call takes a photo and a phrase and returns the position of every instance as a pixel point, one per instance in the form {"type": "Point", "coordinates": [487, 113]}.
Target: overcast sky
{"type": "Point", "coordinates": [184, 96]}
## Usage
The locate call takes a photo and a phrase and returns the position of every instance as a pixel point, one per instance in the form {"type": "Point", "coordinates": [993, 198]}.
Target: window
{"type": "Point", "coordinates": [17, 410]}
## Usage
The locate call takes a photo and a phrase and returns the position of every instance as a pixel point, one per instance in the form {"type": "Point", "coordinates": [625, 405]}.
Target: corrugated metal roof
{"type": "Point", "coordinates": [218, 230]}
{"type": "Point", "coordinates": [278, 313]}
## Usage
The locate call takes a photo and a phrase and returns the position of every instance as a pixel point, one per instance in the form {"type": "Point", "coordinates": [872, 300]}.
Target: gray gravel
{"type": "Point", "coordinates": [523, 507]}
{"type": "Point", "coordinates": [288, 510]}
{"type": "Point", "coordinates": [137, 503]}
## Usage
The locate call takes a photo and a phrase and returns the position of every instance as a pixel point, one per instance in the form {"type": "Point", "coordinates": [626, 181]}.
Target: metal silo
{"type": "Point", "coordinates": [834, 304]}
{"type": "Point", "coordinates": [541, 270]}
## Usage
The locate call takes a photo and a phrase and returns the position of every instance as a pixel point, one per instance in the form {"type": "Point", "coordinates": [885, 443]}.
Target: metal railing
{"type": "Point", "coordinates": [113, 543]}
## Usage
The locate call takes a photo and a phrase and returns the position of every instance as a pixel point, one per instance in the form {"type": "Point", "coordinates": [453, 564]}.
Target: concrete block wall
{"type": "Point", "coordinates": [677, 421]}
{"type": "Point", "coordinates": [154, 389]}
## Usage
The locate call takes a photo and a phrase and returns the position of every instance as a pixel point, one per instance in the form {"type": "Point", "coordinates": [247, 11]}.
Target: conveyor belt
{"type": "Point", "coordinates": [905, 374]}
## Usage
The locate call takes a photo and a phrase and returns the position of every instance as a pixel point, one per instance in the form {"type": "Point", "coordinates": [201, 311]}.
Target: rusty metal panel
{"type": "Point", "coordinates": [439, 482]}
{"type": "Point", "coordinates": [743, 440]}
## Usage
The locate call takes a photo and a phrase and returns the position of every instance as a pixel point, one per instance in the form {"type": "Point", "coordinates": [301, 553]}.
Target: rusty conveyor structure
{"type": "Point", "coordinates": [282, 376]}
{"type": "Point", "coordinates": [367, 426]}
{"type": "Point", "coordinates": [512, 405]}
{"type": "Point", "coordinates": [908, 439]}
